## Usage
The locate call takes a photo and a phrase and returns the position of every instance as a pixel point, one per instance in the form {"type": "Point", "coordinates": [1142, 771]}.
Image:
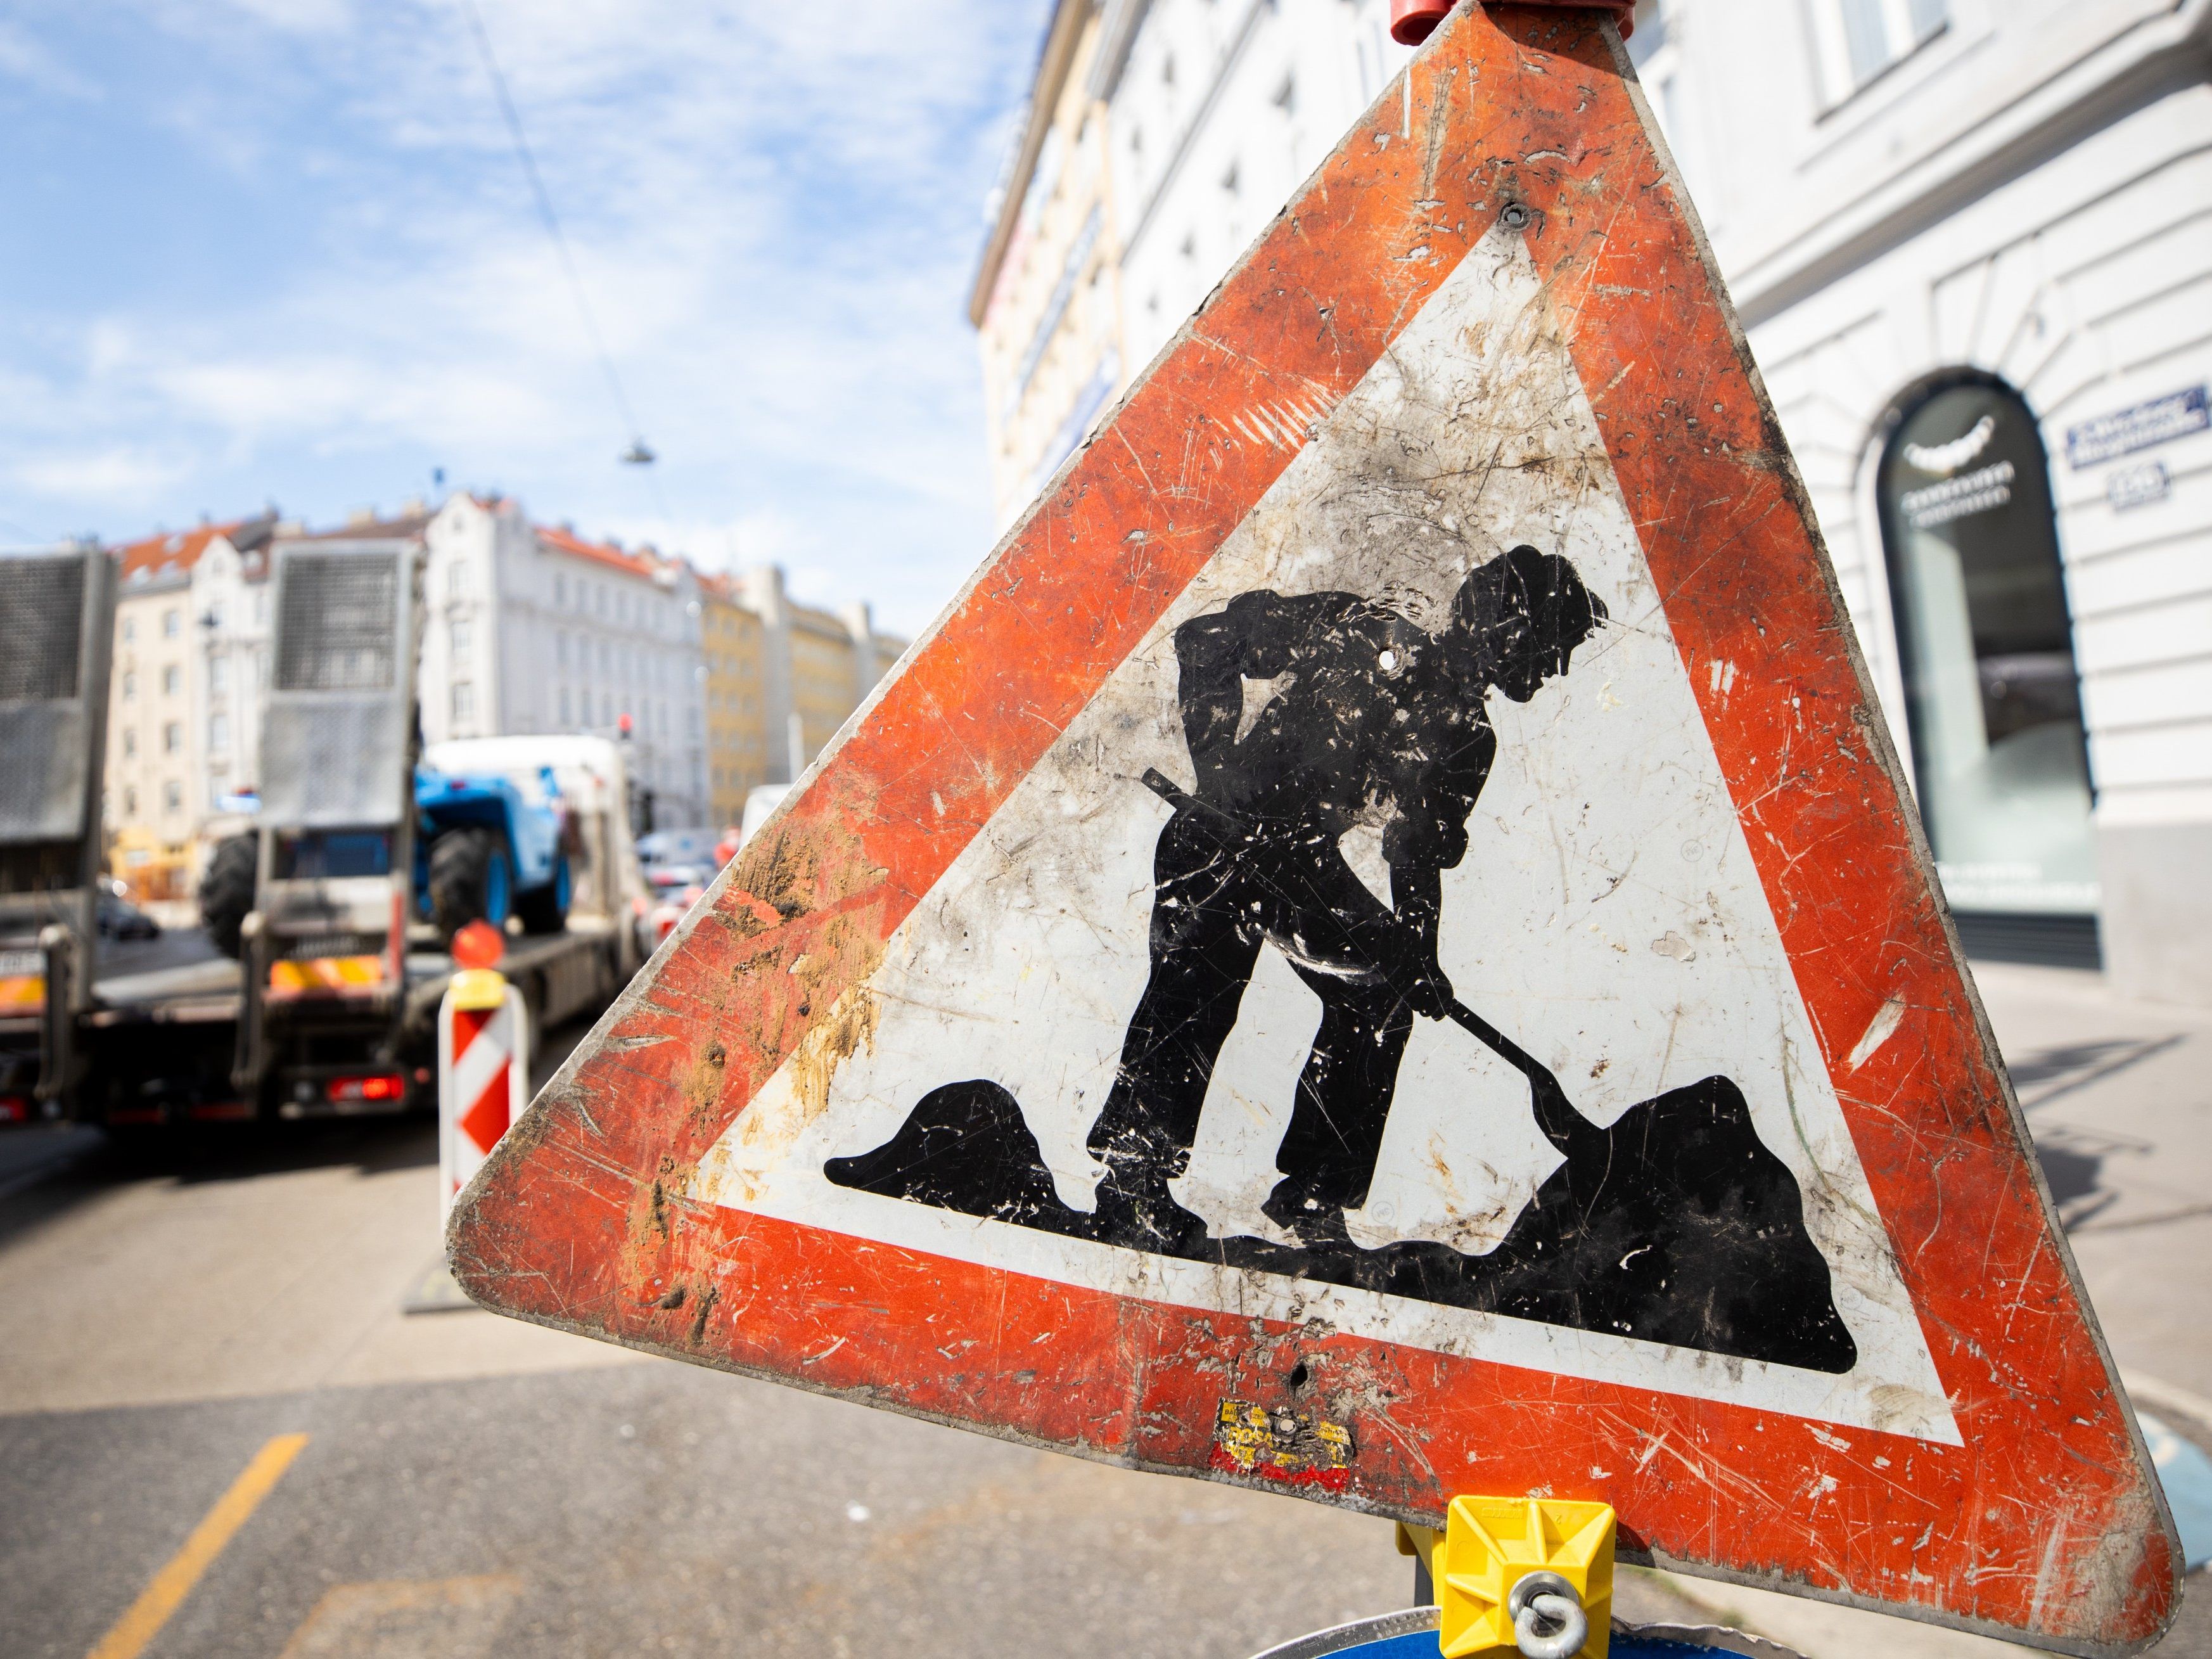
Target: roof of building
{"type": "Point", "coordinates": [368, 527]}
{"type": "Point", "coordinates": [175, 552]}
{"type": "Point", "coordinates": [561, 539]}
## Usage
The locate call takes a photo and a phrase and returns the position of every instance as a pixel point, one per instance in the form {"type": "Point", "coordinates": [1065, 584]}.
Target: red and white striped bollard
{"type": "Point", "coordinates": [484, 1059]}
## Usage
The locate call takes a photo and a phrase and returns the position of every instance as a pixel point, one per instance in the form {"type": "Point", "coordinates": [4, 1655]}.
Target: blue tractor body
{"type": "Point", "coordinates": [483, 848]}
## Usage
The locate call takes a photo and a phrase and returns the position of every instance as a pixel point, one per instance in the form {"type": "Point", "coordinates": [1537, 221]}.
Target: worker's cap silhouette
{"type": "Point", "coordinates": [1527, 606]}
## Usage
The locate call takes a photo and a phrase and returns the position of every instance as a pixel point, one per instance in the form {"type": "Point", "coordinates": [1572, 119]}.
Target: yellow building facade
{"type": "Point", "coordinates": [781, 678]}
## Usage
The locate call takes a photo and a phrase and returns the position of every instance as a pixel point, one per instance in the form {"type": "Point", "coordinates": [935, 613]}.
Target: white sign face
{"type": "Point", "coordinates": [1185, 1039]}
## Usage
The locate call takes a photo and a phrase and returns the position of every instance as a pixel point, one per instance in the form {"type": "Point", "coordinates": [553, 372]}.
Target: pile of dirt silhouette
{"type": "Point", "coordinates": [1675, 1225]}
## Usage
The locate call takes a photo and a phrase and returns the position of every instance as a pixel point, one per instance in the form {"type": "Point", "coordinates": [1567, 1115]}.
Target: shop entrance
{"type": "Point", "coordinates": [1986, 649]}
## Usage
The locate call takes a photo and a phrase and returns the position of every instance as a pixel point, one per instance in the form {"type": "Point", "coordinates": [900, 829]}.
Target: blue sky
{"type": "Point", "coordinates": [262, 249]}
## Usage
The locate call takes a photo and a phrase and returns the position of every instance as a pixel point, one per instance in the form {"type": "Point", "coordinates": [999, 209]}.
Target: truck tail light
{"type": "Point", "coordinates": [375, 1086]}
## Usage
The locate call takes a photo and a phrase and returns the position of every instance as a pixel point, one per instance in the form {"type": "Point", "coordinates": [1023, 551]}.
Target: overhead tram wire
{"type": "Point", "coordinates": [639, 454]}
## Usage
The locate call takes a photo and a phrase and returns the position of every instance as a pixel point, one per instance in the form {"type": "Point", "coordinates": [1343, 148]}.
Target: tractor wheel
{"type": "Point", "coordinates": [468, 880]}
{"type": "Point", "coordinates": [545, 909]}
{"type": "Point", "coordinates": [227, 891]}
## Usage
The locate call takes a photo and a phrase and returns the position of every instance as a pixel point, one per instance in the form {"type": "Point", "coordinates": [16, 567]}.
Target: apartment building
{"type": "Point", "coordinates": [1969, 241]}
{"type": "Point", "coordinates": [782, 678]}
{"type": "Point", "coordinates": [1218, 110]}
{"type": "Point", "coordinates": [192, 628]}
{"type": "Point", "coordinates": [1160, 138]}
{"type": "Point", "coordinates": [1972, 243]}
{"type": "Point", "coordinates": [1046, 299]}
{"type": "Point", "coordinates": [532, 627]}
{"type": "Point", "coordinates": [734, 641]}
{"type": "Point", "coordinates": [715, 684]}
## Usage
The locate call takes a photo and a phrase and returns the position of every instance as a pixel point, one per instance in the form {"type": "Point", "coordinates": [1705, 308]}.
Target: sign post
{"type": "Point", "coordinates": [1523, 1049]}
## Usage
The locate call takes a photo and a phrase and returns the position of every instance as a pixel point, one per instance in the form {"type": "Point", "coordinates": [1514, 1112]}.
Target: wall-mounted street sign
{"type": "Point", "coordinates": [1378, 949]}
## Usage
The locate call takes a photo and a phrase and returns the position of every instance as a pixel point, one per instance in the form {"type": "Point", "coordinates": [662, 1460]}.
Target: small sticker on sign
{"type": "Point", "coordinates": [1292, 1446]}
{"type": "Point", "coordinates": [2132, 487]}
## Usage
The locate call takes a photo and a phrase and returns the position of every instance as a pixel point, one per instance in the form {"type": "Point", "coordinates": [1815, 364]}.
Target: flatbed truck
{"type": "Point", "coordinates": [329, 1009]}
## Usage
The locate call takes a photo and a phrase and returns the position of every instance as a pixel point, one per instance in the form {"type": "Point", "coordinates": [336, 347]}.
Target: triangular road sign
{"type": "Point", "coordinates": [1068, 1061]}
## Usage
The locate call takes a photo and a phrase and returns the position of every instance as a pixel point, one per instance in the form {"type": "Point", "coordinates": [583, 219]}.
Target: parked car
{"type": "Point", "coordinates": [672, 846]}
{"type": "Point", "coordinates": [676, 887]}
{"type": "Point", "coordinates": [761, 802]}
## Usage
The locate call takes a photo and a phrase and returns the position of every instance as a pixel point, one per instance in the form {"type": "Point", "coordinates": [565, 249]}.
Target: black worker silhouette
{"type": "Point", "coordinates": [1306, 716]}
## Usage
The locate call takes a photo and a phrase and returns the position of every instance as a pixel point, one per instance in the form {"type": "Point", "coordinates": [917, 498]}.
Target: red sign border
{"type": "Point", "coordinates": [2047, 1522]}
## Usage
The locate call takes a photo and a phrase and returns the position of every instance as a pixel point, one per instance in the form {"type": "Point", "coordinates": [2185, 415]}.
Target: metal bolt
{"type": "Point", "coordinates": [1548, 1620]}
{"type": "Point", "coordinates": [1516, 216]}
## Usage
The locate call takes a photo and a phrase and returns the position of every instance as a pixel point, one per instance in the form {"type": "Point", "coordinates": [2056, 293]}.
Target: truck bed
{"type": "Point", "coordinates": [181, 979]}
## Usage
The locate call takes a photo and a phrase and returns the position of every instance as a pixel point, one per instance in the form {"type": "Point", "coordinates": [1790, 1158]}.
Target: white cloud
{"type": "Point", "coordinates": [124, 474]}
{"type": "Point", "coordinates": [775, 219]}
{"type": "Point", "coordinates": [23, 59]}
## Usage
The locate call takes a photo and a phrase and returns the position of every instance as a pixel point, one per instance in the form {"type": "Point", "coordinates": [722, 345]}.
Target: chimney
{"type": "Point", "coordinates": [359, 516]}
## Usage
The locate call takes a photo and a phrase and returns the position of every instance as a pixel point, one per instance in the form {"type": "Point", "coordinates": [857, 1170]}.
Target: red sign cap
{"type": "Point", "coordinates": [1380, 948]}
{"type": "Point", "coordinates": [479, 944]}
{"type": "Point", "coordinates": [1412, 22]}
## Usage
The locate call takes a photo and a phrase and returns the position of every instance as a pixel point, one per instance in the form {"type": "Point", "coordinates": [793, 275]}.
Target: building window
{"type": "Point", "coordinates": [464, 701]}
{"type": "Point", "coordinates": [172, 680]}
{"type": "Point", "coordinates": [219, 731]}
{"type": "Point", "coordinates": [1859, 40]}
{"type": "Point", "coordinates": [173, 623]}
{"type": "Point", "coordinates": [130, 630]}
{"type": "Point", "coordinates": [564, 705]}
{"type": "Point", "coordinates": [560, 592]}
{"type": "Point", "coordinates": [1993, 700]}
{"type": "Point", "coordinates": [129, 686]}
{"type": "Point", "coordinates": [129, 742]}
{"type": "Point", "coordinates": [219, 673]}
{"type": "Point", "coordinates": [172, 797]}
{"type": "Point", "coordinates": [457, 578]}
{"type": "Point", "coordinates": [260, 606]}
{"type": "Point", "coordinates": [129, 803]}
{"type": "Point", "coordinates": [459, 637]}
{"type": "Point", "coordinates": [172, 737]}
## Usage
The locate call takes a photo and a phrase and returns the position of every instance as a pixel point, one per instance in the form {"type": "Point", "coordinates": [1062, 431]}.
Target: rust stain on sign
{"type": "Point", "coordinates": [1393, 859]}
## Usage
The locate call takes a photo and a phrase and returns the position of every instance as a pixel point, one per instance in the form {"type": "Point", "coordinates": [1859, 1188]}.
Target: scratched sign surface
{"type": "Point", "coordinates": [1376, 949]}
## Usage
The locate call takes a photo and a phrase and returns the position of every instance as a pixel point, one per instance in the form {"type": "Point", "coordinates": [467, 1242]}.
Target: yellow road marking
{"type": "Point", "coordinates": [168, 1588]}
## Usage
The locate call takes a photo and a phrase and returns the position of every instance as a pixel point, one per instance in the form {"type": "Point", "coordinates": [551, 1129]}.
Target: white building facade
{"type": "Point", "coordinates": [1218, 110]}
{"type": "Point", "coordinates": [190, 657]}
{"type": "Point", "coordinates": [532, 629]}
{"type": "Point", "coordinates": [1972, 243]}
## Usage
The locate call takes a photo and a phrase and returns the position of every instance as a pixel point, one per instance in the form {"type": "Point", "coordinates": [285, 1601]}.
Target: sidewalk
{"type": "Point", "coordinates": [2118, 1095]}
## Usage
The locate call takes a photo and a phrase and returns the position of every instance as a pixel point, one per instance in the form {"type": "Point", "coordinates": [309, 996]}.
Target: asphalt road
{"type": "Point", "coordinates": [469, 1485]}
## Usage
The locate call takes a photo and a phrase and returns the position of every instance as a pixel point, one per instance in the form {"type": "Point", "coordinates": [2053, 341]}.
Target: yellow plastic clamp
{"type": "Point", "coordinates": [1489, 1545]}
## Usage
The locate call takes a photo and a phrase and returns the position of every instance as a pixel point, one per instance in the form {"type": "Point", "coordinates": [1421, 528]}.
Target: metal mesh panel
{"type": "Point", "coordinates": [42, 603]}
{"type": "Point", "coordinates": [338, 764]}
{"type": "Point", "coordinates": [336, 621]}
{"type": "Point", "coordinates": [45, 733]}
